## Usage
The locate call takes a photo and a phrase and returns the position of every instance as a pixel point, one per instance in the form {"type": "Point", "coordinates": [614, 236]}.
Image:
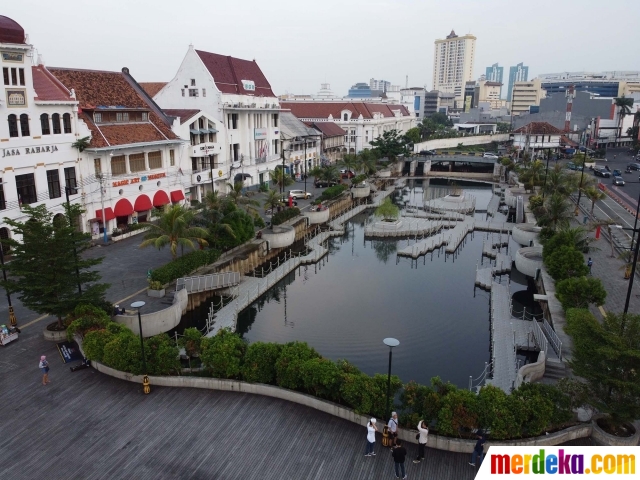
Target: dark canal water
{"type": "Point", "coordinates": [361, 293]}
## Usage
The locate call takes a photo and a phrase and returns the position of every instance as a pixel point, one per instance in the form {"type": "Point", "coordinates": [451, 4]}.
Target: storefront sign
{"type": "Point", "coordinates": [144, 178]}
{"type": "Point", "coordinates": [10, 152]}
{"type": "Point", "coordinates": [259, 133]}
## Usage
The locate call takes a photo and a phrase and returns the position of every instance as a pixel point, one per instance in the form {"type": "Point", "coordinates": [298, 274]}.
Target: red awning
{"type": "Point", "coordinates": [142, 204]}
{"type": "Point", "coordinates": [176, 196]}
{"type": "Point", "coordinates": [160, 198]}
{"type": "Point", "coordinates": [123, 208]}
{"type": "Point", "coordinates": [108, 211]}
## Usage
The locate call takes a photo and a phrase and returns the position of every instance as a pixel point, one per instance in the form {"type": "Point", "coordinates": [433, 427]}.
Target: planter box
{"type": "Point", "coordinates": [317, 216]}
{"type": "Point", "coordinates": [156, 293]}
{"type": "Point", "coordinates": [55, 336]}
{"type": "Point", "coordinates": [128, 234]}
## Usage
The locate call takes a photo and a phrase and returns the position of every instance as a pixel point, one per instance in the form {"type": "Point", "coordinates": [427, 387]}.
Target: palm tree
{"type": "Point", "coordinates": [367, 161]}
{"type": "Point", "coordinates": [594, 194]}
{"type": "Point", "coordinates": [557, 212]}
{"type": "Point", "coordinates": [560, 181]}
{"type": "Point", "coordinates": [240, 200]}
{"type": "Point", "coordinates": [281, 178]}
{"type": "Point", "coordinates": [213, 201]}
{"type": "Point", "coordinates": [624, 105]}
{"type": "Point", "coordinates": [174, 228]}
{"type": "Point", "coordinates": [273, 200]}
{"type": "Point", "coordinates": [330, 174]}
{"type": "Point", "coordinates": [349, 162]}
{"type": "Point", "coordinates": [316, 172]}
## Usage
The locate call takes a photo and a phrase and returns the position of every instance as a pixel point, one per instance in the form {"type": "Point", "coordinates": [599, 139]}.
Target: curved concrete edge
{"type": "Point", "coordinates": [532, 372]}
{"type": "Point", "coordinates": [435, 441]}
{"type": "Point", "coordinates": [157, 322]}
{"type": "Point", "coordinates": [50, 336]}
{"type": "Point", "coordinates": [524, 233]}
{"type": "Point", "coordinates": [384, 173]}
{"type": "Point", "coordinates": [361, 192]}
{"type": "Point", "coordinates": [527, 265]}
{"type": "Point", "coordinates": [279, 236]}
{"type": "Point", "coordinates": [316, 217]}
{"type": "Point", "coordinates": [605, 438]}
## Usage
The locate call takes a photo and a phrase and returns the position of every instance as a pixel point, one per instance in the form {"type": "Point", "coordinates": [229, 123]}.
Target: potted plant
{"type": "Point", "coordinates": [156, 289]}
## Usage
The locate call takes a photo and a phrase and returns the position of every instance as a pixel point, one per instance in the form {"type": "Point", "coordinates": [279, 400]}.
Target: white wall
{"type": "Point", "coordinates": [453, 142]}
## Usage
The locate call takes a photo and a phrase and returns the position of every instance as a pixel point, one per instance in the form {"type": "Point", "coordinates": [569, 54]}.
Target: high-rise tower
{"type": "Point", "coordinates": [453, 64]}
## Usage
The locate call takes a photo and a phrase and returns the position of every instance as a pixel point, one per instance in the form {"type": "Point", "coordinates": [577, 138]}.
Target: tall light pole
{"type": "Point", "coordinates": [577, 211]}
{"type": "Point", "coordinates": [146, 386]}
{"type": "Point", "coordinates": [389, 342]}
{"type": "Point", "coordinates": [67, 191]}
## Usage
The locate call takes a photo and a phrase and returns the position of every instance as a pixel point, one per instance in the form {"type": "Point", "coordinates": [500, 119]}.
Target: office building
{"type": "Point", "coordinates": [519, 73]}
{"type": "Point", "coordinates": [526, 95]}
{"type": "Point", "coordinates": [605, 84]}
{"type": "Point", "coordinates": [453, 64]}
{"type": "Point", "coordinates": [360, 90]}
{"type": "Point", "coordinates": [382, 85]}
{"type": "Point", "coordinates": [494, 73]}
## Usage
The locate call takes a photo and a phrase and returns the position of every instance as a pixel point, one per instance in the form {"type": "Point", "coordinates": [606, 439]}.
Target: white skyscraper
{"type": "Point", "coordinates": [453, 64]}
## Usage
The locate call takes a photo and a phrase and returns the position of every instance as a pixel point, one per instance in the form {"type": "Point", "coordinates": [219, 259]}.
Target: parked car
{"type": "Point", "coordinates": [617, 180]}
{"type": "Point", "coordinates": [489, 155]}
{"type": "Point", "coordinates": [634, 166]}
{"type": "Point", "coordinates": [571, 166]}
{"type": "Point", "coordinates": [601, 172]}
{"type": "Point", "coordinates": [427, 152]}
{"type": "Point", "coordinates": [347, 174]}
{"type": "Point", "coordinates": [616, 173]}
{"type": "Point", "coordinates": [296, 194]}
{"type": "Point", "coordinates": [323, 183]}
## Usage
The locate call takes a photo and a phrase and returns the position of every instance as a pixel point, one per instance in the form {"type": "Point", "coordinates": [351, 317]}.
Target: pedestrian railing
{"type": "Point", "coordinates": [554, 340]}
{"type": "Point", "coordinates": [480, 380]}
{"type": "Point", "coordinates": [539, 337]}
{"type": "Point", "coordinates": [204, 283]}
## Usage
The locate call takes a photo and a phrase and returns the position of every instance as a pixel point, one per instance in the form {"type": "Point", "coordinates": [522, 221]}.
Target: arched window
{"type": "Point", "coordinates": [24, 125]}
{"type": "Point", "coordinates": [44, 124]}
{"type": "Point", "coordinates": [13, 125]}
{"type": "Point", "coordinates": [66, 123]}
{"type": "Point", "coordinates": [55, 119]}
{"type": "Point", "coordinates": [345, 117]}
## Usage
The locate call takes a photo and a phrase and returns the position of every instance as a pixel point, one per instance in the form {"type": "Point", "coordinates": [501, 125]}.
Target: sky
{"type": "Point", "coordinates": [300, 44]}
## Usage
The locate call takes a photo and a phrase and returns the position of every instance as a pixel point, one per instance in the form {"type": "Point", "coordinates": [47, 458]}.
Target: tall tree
{"type": "Point", "coordinates": [624, 105]}
{"type": "Point", "coordinates": [240, 200]}
{"type": "Point", "coordinates": [594, 194]}
{"type": "Point", "coordinates": [349, 162]}
{"type": "Point", "coordinates": [367, 161]}
{"type": "Point", "coordinates": [273, 200]}
{"type": "Point", "coordinates": [47, 264]}
{"type": "Point", "coordinates": [174, 227]}
{"type": "Point", "coordinates": [280, 177]}
{"type": "Point", "coordinates": [390, 144]}
{"type": "Point", "coordinates": [557, 212]}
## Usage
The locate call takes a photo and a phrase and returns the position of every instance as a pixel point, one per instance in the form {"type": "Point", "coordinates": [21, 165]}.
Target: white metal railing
{"type": "Point", "coordinates": [212, 281]}
{"type": "Point", "coordinates": [540, 338]}
{"type": "Point", "coordinates": [555, 341]}
{"type": "Point", "coordinates": [480, 379]}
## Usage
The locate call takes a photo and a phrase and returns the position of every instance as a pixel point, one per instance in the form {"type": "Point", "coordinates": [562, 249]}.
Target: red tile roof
{"type": "Point", "coordinates": [184, 113]}
{"type": "Point", "coordinates": [11, 31]}
{"type": "Point", "coordinates": [152, 87]}
{"type": "Point", "coordinates": [538, 128]}
{"type": "Point", "coordinates": [47, 87]}
{"type": "Point", "coordinates": [112, 89]}
{"type": "Point", "coordinates": [324, 109]}
{"type": "Point", "coordinates": [328, 129]}
{"type": "Point", "coordinates": [228, 73]}
{"type": "Point", "coordinates": [567, 141]}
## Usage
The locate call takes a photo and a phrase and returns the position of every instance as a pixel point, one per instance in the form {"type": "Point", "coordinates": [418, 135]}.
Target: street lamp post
{"type": "Point", "coordinates": [389, 342]}
{"type": "Point", "coordinates": [146, 386]}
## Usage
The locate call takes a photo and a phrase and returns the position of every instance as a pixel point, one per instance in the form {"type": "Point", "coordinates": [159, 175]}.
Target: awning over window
{"type": "Point", "coordinates": [108, 211]}
{"type": "Point", "coordinates": [123, 208]}
{"type": "Point", "coordinates": [241, 176]}
{"type": "Point", "coordinates": [142, 204]}
{"type": "Point", "coordinates": [160, 198]}
{"type": "Point", "coordinates": [176, 196]}
{"type": "Point", "coordinates": [195, 131]}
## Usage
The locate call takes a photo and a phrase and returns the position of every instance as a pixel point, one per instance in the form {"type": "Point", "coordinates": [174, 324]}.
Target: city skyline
{"type": "Point", "coordinates": [150, 56]}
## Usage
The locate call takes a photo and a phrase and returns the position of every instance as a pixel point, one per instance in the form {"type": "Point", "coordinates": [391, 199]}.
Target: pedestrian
{"type": "Point", "coordinates": [393, 428]}
{"type": "Point", "coordinates": [589, 264]}
{"type": "Point", "coordinates": [399, 454]}
{"type": "Point", "coordinates": [423, 436]}
{"type": "Point", "coordinates": [478, 450]}
{"type": "Point", "coordinates": [44, 368]}
{"type": "Point", "coordinates": [371, 437]}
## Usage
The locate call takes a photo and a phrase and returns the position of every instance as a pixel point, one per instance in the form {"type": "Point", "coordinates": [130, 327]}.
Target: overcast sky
{"type": "Point", "coordinates": [300, 44]}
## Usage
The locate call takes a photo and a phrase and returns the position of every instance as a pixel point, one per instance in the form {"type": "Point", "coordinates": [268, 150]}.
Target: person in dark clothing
{"type": "Point", "coordinates": [478, 450]}
{"type": "Point", "coordinates": [399, 453]}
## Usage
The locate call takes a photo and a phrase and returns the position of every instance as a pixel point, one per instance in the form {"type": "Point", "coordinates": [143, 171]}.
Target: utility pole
{"type": "Point", "coordinates": [104, 217]}
{"type": "Point", "coordinates": [75, 253]}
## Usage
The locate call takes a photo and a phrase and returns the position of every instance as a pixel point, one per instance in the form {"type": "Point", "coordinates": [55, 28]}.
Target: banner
{"type": "Point", "coordinates": [69, 352]}
{"type": "Point", "coordinates": [549, 462]}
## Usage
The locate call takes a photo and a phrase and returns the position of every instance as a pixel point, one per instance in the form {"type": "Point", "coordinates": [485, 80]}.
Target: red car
{"type": "Point", "coordinates": [347, 173]}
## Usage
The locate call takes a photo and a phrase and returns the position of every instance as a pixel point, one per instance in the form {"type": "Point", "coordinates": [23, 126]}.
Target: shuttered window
{"type": "Point", "coordinates": [155, 160]}
{"type": "Point", "coordinates": [136, 162]}
{"type": "Point", "coordinates": [118, 165]}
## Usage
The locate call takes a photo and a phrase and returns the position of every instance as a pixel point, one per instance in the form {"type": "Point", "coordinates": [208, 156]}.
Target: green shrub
{"type": "Point", "coordinates": [284, 215]}
{"type": "Point", "coordinates": [579, 292]}
{"type": "Point", "coordinates": [496, 413]}
{"type": "Point", "coordinates": [184, 265]}
{"type": "Point", "coordinates": [258, 222]}
{"type": "Point", "coordinates": [418, 402]}
{"type": "Point", "coordinates": [321, 378]}
{"type": "Point", "coordinates": [535, 202]}
{"type": "Point", "coordinates": [458, 412]}
{"type": "Point", "coordinates": [222, 354]}
{"type": "Point", "coordinates": [357, 390]}
{"type": "Point", "coordinates": [162, 355]}
{"type": "Point", "coordinates": [86, 318]}
{"type": "Point", "coordinates": [242, 225]}
{"type": "Point", "coordinates": [122, 352]}
{"type": "Point", "coordinates": [359, 179]}
{"type": "Point", "coordinates": [289, 364]}
{"type": "Point", "coordinates": [93, 344]}
{"type": "Point", "coordinates": [155, 285]}
{"type": "Point", "coordinates": [565, 262]}
{"type": "Point", "coordinates": [332, 192]}
{"type": "Point", "coordinates": [259, 364]}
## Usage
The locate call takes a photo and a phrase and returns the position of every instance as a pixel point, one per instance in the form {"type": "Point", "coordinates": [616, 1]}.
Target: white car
{"type": "Point", "coordinates": [296, 194]}
{"type": "Point", "coordinates": [490, 155]}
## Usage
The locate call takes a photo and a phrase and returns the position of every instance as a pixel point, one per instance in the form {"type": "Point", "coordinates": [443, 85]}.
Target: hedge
{"type": "Point", "coordinates": [284, 215]}
{"type": "Point", "coordinates": [332, 192]}
{"type": "Point", "coordinates": [184, 265]}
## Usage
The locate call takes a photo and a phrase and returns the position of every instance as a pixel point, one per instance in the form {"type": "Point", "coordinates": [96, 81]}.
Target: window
{"type": "Point", "coordinates": [21, 73]}
{"type": "Point", "coordinates": [44, 124]}
{"type": "Point", "coordinates": [204, 92]}
{"type": "Point", "coordinates": [53, 181]}
{"type": "Point", "coordinates": [182, 90]}
{"type": "Point", "coordinates": [5, 75]}
{"type": "Point", "coordinates": [26, 186]}
{"type": "Point", "coordinates": [13, 125]}
{"type": "Point", "coordinates": [118, 165]}
{"type": "Point", "coordinates": [193, 82]}
{"type": "Point", "coordinates": [55, 120]}
{"type": "Point", "coordinates": [155, 160]}
{"type": "Point", "coordinates": [97, 117]}
{"type": "Point", "coordinates": [172, 158]}
{"type": "Point", "coordinates": [275, 119]}
{"type": "Point", "coordinates": [136, 162]}
{"type": "Point", "coordinates": [70, 180]}
{"type": "Point", "coordinates": [145, 116]}
{"type": "Point", "coordinates": [14, 76]}
{"type": "Point", "coordinates": [24, 125]}
{"type": "Point", "coordinates": [97, 166]}
{"type": "Point", "coordinates": [345, 117]}
{"type": "Point", "coordinates": [122, 117]}
{"type": "Point", "coordinates": [3, 203]}
{"type": "Point", "coordinates": [66, 122]}
{"type": "Point", "coordinates": [193, 92]}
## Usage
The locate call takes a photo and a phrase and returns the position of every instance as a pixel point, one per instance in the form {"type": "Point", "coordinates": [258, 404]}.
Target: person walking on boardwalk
{"type": "Point", "coordinates": [589, 264]}
{"type": "Point", "coordinates": [399, 453]}
{"type": "Point", "coordinates": [371, 437]}
{"type": "Point", "coordinates": [393, 428]}
{"type": "Point", "coordinates": [44, 368]}
{"type": "Point", "coordinates": [478, 450]}
{"type": "Point", "coordinates": [423, 437]}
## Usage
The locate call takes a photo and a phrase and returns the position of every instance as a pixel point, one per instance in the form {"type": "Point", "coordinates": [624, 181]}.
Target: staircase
{"type": "Point", "coordinates": [554, 371]}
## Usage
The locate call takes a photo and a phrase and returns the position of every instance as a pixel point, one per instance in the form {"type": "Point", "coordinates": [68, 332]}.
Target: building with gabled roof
{"type": "Point", "coordinates": [302, 144]}
{"type": "Point", "coordinates": [537, 137]}
{"type": "Point", "coordinates": [236, 95]}
{"type": "Point", "coordinates": [332, 140]}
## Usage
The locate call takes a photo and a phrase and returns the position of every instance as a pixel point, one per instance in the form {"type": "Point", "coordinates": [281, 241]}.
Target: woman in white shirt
{"type": "Point", "coordinates": [422, 440]}
{"type": "Point", "coordinates": [371, 437]}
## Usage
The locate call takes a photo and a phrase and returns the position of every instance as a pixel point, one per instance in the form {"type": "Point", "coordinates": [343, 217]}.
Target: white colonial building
{"type": "Point", "coordinates": [235, 95]}
{"type": "Point", "coordinates": [39, 125]}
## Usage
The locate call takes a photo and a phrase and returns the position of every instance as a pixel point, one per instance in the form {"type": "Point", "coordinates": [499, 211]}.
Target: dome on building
{"type": "Point", "coordinates": [10, 31]}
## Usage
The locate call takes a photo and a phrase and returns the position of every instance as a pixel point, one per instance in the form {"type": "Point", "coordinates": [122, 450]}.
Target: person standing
{"type": "Point", "coordinates": [423, 436]}
{"type": "Point", "coordinates": [478, 450]}
{"type": "Point", "coordinates": [44, 368]}
{"type": "Point", "coordinates": [589, 264]}
{"type": "Point", "coordinates": [393, 428]}
{"type": "Point", "coordinates": [399, 453]}
{"type": "Point", "coordinates": [371, 437]}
